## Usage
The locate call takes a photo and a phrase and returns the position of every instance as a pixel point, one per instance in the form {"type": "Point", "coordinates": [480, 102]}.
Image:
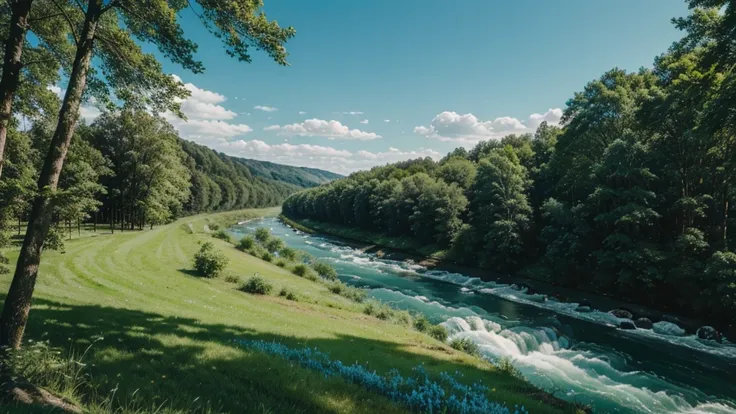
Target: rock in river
{"type": "Point", "coordinates": [583, 309]}
{"type": "Point", "coordinates": [627, 325]}
{"type": "Point", "coordinates": [709, 333]}
{"type": "Point", "coordinates": [644, 323]}
{"type": "Point", "coordinates": [621, 314]}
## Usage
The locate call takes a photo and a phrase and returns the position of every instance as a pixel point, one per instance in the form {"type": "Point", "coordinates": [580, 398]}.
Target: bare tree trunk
{"type": "Point", "coordinates": [11, 68]}
{"type": "Point", "coordinates": [18, 301]}
{"type": "Point", "coordinates": [112, 220]}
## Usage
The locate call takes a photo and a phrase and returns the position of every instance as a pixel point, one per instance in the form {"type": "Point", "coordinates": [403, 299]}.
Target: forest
{"type": "Point", "coordinates": [631, 195]}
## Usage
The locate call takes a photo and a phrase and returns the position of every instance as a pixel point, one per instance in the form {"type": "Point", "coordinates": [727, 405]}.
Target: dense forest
{"type": "Point", "coordinates": [633, 194]}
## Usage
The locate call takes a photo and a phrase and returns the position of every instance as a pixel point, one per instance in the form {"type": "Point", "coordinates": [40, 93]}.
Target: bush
{"type": "Point", "coordinates": [213, 226]}
{"type": "Point", "coordinates": [421, 323]}
{"type": "Point", "coordinates": [222, 235]}
{"type": "Point", "coordinates": [288, 253]}
{"type": "Point", "coordinates": [324, 270]}
{"type": "Point", "coordinates": [246, 243]}
{"type": "Point", "coordinates": [274, 244]}
{"type": "Point", "coordinates": [267, 256]}
{"type": "Point", "coordinates": [288, 294]}
{"type": "Point", "coordinates": [300, 270]}
{"type": "Point", "coordinates": [257, 286]}
{"type": "Point", "coordinates": [208, 262]}
{"type": "Point", "coordinates": [281, 263]}
{"type": "Point", "coordinates": [387, 313]}
{"type": "Point", "coordinates": [262, 235]}
{"type": "Point", "coordinates": [505, 365]}
{"type": "Point", "coordinates": [230, 278]}
{"type": "Point", "coordinates": [438, 332]}
{"type": "Point", "coordinates": [465, 345]}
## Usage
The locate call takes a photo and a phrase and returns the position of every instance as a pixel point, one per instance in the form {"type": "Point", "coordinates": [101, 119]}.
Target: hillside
{"type": "Point", "coordinates": [300, 176]}
{"type": "Point", "coordinates": [161, 337]}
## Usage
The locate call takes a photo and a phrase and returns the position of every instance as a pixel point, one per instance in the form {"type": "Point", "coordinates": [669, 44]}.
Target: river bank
{"type": "Point", "coordinates": [433, 257]}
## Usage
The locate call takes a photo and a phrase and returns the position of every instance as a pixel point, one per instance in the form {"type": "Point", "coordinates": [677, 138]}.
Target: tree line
{"type": "Point", "coordinates": [633, 194]}
{"type": "Point", "coordinates": [129, 163]}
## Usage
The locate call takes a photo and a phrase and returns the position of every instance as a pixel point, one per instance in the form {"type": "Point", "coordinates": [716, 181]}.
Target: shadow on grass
{"type": "Point", "coordinates": [190, 272]}
{"type": "Point", "coordinates": [186, 365]}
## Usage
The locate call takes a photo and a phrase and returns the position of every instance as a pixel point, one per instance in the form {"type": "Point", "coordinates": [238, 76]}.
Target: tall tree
{"type": "Point", "coordinates": [136, 79]}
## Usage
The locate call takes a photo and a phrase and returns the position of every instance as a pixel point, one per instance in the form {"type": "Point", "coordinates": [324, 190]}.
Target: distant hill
{"type": "Point", "coordinates": [299, 176]}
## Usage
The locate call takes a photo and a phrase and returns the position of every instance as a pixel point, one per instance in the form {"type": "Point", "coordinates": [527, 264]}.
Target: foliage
{"type": "Point", "coordinates": [351, 292]}
{"type": "Point", "coordinates": [267, 256]}
{"type": "Point", "coordinates": [385, 312]}
{"type": "Point", "coordinates": [421, 323]}
{"type": "Point", "coordinates": [222, 235]}
{"type": "Point", "coordinates": [257, 286]}
{"type": "Point", "coordinates": [274, 245]}
{"type": "Point", "coordinates": [231, 278]}
{"type": "Point", "coordinates": [300, 270]}
{"type": "Point", "coordinates": [418, 393]}
{"type": "Point", "coordinates": [208, 262]}
{"type": "Point", "coordinates": [465, 345]}
{"type": "Point", "coordinates": [289, 294]}
{"type": "Point", "coordinates": [438, 332]}
{"type": "Point", "coordinates": [262, 235]}
{"type": "Point", "coordinates": [506, 365]}
{"type": "Point", "coordinates": [281, 263]}
{"type": "Point", "coordinates": [246, 243]}
{"type": "Point", "coordinates": [288, 254]}
{"type": "Point", "coordinates": [325, 270]}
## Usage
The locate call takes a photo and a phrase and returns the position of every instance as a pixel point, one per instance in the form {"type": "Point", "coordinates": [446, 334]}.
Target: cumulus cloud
{"type": "Point", "coordinates": [265, 108]}
{"type": "Point", "coordinates": [386, 120]}
{"type": "Point", "coordinates": [365, 121]}
{"type": "Point", "coordinates": [302, 113]}
{"type": "Point", "coordinates": [321, 128]}
{"type": "Point", "coordinates": [316, 156]}
{"type": "Point", "coordinates": [467, 128]}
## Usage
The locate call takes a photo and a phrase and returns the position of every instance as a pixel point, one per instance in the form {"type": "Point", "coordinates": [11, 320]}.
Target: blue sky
{"type": "Point", "coordinates": [443, 73]}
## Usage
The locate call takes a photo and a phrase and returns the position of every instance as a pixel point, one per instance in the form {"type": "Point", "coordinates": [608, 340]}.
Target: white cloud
{"type": "Point", "coordinates": [89, 113]}
{"type": "Point", "coordinates": [316, 156]}
{"type": "Point", "coordinates": [350, 113]}
{"type": "Point", "coordinates": [387, 120]}
{"type": "Point", "coordinates": [203, 128]}
{"type": "Point", "coordinates": [265, 108]}
{"type": "Point", "coordinates": [321, 128]}
{"type": "Point", "coordinates": [204, 104]}
{"type": "Point", "coordinates": [302, 113]}
{"type": "Point", "coordinates": [57, 90]}
{"type": "Point", "coordinates": [468, 129]}
{"type": "Point", "coordinates": [365, 121]}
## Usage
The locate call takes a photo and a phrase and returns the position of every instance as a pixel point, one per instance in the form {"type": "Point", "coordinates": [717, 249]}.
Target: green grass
{"type": "Point", "coordinates": [168, 335]}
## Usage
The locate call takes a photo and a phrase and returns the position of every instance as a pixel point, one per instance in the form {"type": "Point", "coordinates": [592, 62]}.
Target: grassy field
{"type": "Point", "coordinates": [162, 339]}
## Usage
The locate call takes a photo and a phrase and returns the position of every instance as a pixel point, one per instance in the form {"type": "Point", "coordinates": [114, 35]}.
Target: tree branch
{"type": "Point", "coordinates": [69, 21]}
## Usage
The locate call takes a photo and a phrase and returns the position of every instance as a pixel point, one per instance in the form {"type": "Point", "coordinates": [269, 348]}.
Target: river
{"type": "Point", "coordinates": [578, 356]}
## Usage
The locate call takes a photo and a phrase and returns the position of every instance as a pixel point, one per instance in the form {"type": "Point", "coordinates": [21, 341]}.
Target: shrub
{"type": "Point", "coordinates": [208, 262]}
{"type": "Point", "coordinates": [300, 270]}
{"type": "Point", "coordinates": [267, 256]}
{"type": "Point", "coordinates": [311, 276]}
{"type": "Point", "coordinates": [350, 292]}
{"type": "Point", "coordinates": [281, 263]}
{"type": "Point", "coordinates": [222, 235]}
{"type": "Point", "coordinates": [288, 294]}
{"type": "Point", "coordinates": [465, 345]}
{"type": "Point", "coordinates": [213, 226]}
{"type": "Point", "coordinates": [231, 278]}
{"type": "Point", "coordinates": [262, 235]}
{"type": "Point", "coordinates": [324, 270]}
{"type": "Point", "coordinates": [246, 243]}
{"type": "Point", "coordinates": [274, 244]}
{"type": "Point", "coordinates": [438, 332]}
{"type": "Point", "coordinates": [257, 286]}
{"type": "Point", "coordinates": [421, 323]}
{"type": "Point", "coordinates": [288, 253]}
{"type": "Point", "coordinates": [387, 313]}
{"type": "Point", "coordinates": [505, 365]}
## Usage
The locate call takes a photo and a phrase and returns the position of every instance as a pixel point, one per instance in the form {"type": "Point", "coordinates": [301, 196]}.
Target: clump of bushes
{"type": "Point", "coordinates": [300, 270]}
{"type": "Point", "coordinates": [274, 244]}
{"type": "Point", "coordinates": [350, 292]}
{"type": "Point", "coordinates": [289, 294]}
{"type": "Point", "coordinates": [266, 256]}
{"type": "Point", "coordinates": [438, 332]}
{"type": "Point", "coordinates": [262, 235]}
{"type": "Point", "coordinates": [288, 253]}
{"type": "Point", "coordinates": [213, 226]}
{"type": "Point", "coordinates": [246, 243]}
{"type": "Point", "coordinates": [281, 263]}
{"type": "Point", "coordinates": [222, 235]}
{"type": "Point", "coordinates": [231, 278]}
{"type": "Point", "coordinates": [421, 323]}
{"type": "Point", "coordinates": [387, 313]}
{"type": "Point", "coordinates": [505, 365]}
{"type": "Point", "coordinates": [465, 345]}
{"type": "Point", "coordinates": [324, 270]}
{"type": "Point", "coordinates": [208, 262]}
{"type": "Point", "coordinates": [257, 286]}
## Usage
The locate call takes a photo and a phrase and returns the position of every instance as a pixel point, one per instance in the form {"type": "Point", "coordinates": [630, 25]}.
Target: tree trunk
{"type": "Point", "coordinates": [112, 220]}
{"type": "Point", "coordinates": [11, 68]}
{"type": "Point", "coordinates": [94, 223]}
{"type": "Point", "coordinates": [18, 301]}
{"type": "Point", "coordinates": [725, 226]}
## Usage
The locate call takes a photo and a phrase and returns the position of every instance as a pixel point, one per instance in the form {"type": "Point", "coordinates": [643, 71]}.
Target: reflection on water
{"type": "Point", "coordinates": [578, 356]}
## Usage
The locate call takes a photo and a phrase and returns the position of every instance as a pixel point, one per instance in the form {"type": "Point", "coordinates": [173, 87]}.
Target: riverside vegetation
{"type": "Point", "coordinates": [633, 195]}
{"type": "Point", "coordinates": [159, 337]}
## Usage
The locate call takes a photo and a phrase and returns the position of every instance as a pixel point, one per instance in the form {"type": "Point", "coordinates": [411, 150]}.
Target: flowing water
{"type": "Point", "coordinates": [578, 356]}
